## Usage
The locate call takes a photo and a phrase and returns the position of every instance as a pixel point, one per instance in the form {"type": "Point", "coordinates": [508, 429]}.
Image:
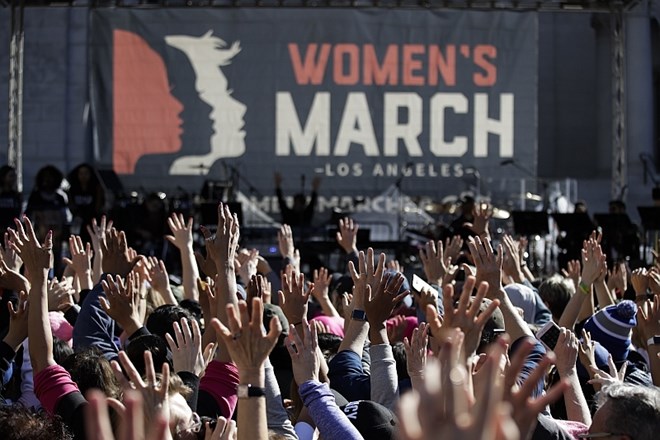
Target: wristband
{"type": "Point", "coordinates": [359, 315]}
{"type": "Point", "coordinates": [247, 391]}
{"type": "Point", "coordinates": [655, 340]}
{"type": "Point", "coordinates": [586, 288]}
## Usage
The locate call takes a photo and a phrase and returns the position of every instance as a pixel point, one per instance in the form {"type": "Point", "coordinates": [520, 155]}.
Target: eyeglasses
{"type": "Point", "coordinates": [194, 424]}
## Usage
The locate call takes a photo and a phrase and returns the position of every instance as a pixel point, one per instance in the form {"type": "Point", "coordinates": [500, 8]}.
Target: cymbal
{"type": "Point", "coordinates": [501, 214]}
{"type": "Point", "coordinates": [440, 208]}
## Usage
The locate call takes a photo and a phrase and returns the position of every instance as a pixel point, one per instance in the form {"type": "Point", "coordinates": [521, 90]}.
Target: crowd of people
{"type": "Point", "coordinates": [109, 347]}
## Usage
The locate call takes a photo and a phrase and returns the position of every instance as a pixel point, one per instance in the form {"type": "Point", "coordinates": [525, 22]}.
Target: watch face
{"type": "Point", "coordinates": [359, 315]}
{"type": "Point", "coordinates": [242, 391]}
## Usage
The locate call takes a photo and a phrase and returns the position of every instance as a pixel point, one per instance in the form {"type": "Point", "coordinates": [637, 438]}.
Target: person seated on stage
{"type": "Point", "coordinates": [302, 213]}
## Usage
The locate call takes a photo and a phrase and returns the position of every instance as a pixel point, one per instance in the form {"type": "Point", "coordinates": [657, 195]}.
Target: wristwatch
{"type": "Point", "coordinates": [247, 391]}
{"type": "Point", "coordinates": [655, 340]}
{"type": "Point", "coordinates": [359, 315]}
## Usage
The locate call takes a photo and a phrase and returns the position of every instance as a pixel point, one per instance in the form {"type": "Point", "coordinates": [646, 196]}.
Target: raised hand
{"type": "Point", "coordinates": [122, 301]}
{"type": "Point", "coordinates": [205, 262]}
{"type": "Point", "coordinates": [246, 264]}
{"type": "Point", "coordinates": [347, 235]}
{"type": "Point", "coordinates": [572, 272]}
{"type": "Point", "coordinates": [369, 273]}
{"type": "Point", "coordinates": [181, 231]}
{"type": "Point", "coordinates": [381, 301]}
{"type": "Point", "coordinates": [587, 350]}
{"type": "Point", "coordinates": [187, 349]}
{"type": "Point", "coordinates": [117, 258]}
{"type": "Point", "coordinates": [566, 352]}
{"type": "Point", "coordinates": [594, 262]}
{"type": "Point", "coordinates": [99, 426]}
{"type": "Point", "coordinates": [322, 280]}
{"type": "Point", "coordinates": [11, 279]}
{"type": "Point", "coordinates": [223, 246]}
{"type": "Point", "coordinates": [247, 344]}
{"type": "Point", "coordinates": [285, 241]}
{"type": "Point", "coordinates": [453, 247]}
{"type": "Point", "coordinates": [294, 298]}
{"type": "Point", "coordinates": [525, 407]}
{"type": "Point", "coordinates": [434, 262]}
{"type": "Point", "coordinates": [416, 352]}
{"type": "Point", "coordinates": [601, 378]}
{"type": "Point", "coordinates": [303, 351]}
{"type": "Point", "coordinates": [442, 407]}
{"type": "Point", "coordinates": [154, 392]}
{"type": "Point", "coordinates": [466, 316]}
{"type": "Point", "coordinates": [60, 295]}
{"type": "Point", "coordinates": [618, 278]}
{"type": "Point", "coordinates": [160, 279]}
{"type": "Point", "coordinates": [37, 257]}
{"type": "Point", "coordinates": [648, 318]}
{"type": "Point", "coordinates": [18, 322]}
{"type": "Point", "coordinates": [9, 255]}
{"type": "Point", "coordinates": [489, 265]}
{"type": "Point", "coordinates": [482, 215]}
{"type": "Point", "coordinates": [511, 262]}
{"type": "Point", "coordinates": [97, 233]}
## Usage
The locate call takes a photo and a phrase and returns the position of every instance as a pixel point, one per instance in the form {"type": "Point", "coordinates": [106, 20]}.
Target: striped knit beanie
{"type": "Point", "coordinates": [612, 327]}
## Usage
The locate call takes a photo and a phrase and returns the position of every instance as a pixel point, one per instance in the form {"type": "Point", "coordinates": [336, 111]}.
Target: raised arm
{"type": "Point", "coordinates": [37, 259]}
{"type": "Point", "coordinates": [222, 249]}
{"type": "Point", "coordinates": [566, 352]}
{"type": "Point", "coordinates": [183, 240]}
{"type": "Point", "coordinates": [249, 347]}
{"type": "Point", "coordinates": [489, 269]}
{"type": "Point", "coordinates": [593, 265]}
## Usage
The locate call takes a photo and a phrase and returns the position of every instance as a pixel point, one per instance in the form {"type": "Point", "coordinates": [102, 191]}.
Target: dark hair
{"type": "Point", "coordinates": [90, 369]}
{"type": "Point", "coordinates": [20, 423]}
{"type": "Point", "coordinates": [329, 345]}
{"type": "Point", "coordinates": [61, 350]}
{"type": "Point", "coordinates": [162, 319]}
{"type": "Point", "coordinates": [156, 345]}
{"type": "Point", "coordinates": [4, 171]}
{"type": "Point", "coordinates": [73, 180]}
{"type": "Point", "coordinates": [48, 171]}
{"type": "Point", "coordinates": [401, 359]}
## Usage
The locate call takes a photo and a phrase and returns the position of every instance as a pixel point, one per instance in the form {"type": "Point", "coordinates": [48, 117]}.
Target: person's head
{"type": "Point", "coordinates": [20, 423]}
{"type": "Point", "coordinates": [48, 179]}
{"type": "Point", "coordinates": [580, 207]}
{"type": "Point", "coordinates": [372, 420]}
{"type": "Point", "coordinates": [617, 207]}
{"type": "Point", "coordinates": [82, 176]}
{"type": "Point", "coordinates": [153, 343]}
{"type": "Point", "coordinates": [555, 292]}
{"type": "Point", "coordinates": [612, 327]}
{"type": "Point", "coordinates": [627, 412]}
{"type": "Point", "coordinates": [90, 369]}
{"type": "Point", "coordinates": [162, 319]}
{"type": "Point", "coordinates": [61, 350]}
{"type": "Point", "coordinates": [8, 178]}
